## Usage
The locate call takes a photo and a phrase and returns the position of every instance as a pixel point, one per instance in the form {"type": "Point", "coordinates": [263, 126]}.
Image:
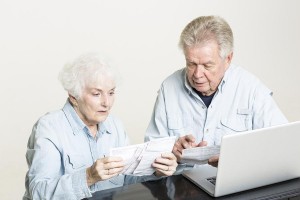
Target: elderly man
{"type": "Point", "coordinates": [210, 97]}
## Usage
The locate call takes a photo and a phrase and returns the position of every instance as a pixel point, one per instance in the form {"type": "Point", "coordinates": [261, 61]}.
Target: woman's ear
{"type": "Point", "coordinates": [72, 100]}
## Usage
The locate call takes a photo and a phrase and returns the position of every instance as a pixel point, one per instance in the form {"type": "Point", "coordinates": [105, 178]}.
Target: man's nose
{"type": "Point", "coordinates": [199, 71]}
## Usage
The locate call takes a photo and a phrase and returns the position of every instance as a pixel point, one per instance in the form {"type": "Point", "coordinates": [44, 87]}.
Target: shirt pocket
{"type": "Point", "coordinates": [75, 162]}
{"type": "Point", "coordinates": [179, 125]}
{"type": "Point", "coordinates": [233, 124]}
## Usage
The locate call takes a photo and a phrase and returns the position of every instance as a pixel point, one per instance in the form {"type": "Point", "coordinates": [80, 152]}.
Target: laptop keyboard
{"type": "Point", "coordinates": [212, 180]}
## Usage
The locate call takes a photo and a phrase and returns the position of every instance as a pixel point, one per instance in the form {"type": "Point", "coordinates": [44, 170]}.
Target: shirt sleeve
{"type": "Point", "coordinates": [46, 170]}
{"type": "Point", "coordinates": [157, 127]}
{"type": "Point", "coordinates": [266, 113]}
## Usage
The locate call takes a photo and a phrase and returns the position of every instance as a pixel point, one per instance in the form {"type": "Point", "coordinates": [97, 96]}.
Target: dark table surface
{"type": "Point", "coordinates": [178, 187]}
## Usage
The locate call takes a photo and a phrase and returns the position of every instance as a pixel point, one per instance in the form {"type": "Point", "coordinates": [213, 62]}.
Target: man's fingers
{"type": "Point", "coordinates": [177, 151]}
{"type": "Point", "coordinates": [190, 138]}
{"type": "Point", "coordinates": [186, 141]}
{"type": "Point", "coordinates": [202, 144]}
{"type": "Point", "coordinates": [214, 161]}
{"type": "Point", "coordinates": [178, 147]}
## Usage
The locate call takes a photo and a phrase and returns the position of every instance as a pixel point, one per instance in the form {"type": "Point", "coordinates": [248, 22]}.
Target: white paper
{"type": "Point", "coordinates": [139, 158]}
{"type": "Point", "coordinates": [199, 155]}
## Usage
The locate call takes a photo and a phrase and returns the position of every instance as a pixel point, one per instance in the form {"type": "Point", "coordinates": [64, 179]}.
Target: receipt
{"type": "Point", "coordinates": [199, 155]}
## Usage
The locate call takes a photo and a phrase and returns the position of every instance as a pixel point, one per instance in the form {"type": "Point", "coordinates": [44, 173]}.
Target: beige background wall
{"type": "Point", "coordinates": [140, 37]}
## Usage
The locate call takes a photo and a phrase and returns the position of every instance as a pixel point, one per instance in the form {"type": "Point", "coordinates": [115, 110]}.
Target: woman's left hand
{"type": "Point", "coordinates": [165, 165]}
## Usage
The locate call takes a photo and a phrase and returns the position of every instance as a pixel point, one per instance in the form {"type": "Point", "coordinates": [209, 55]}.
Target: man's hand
{"type": "Point", "coordinates": [202, 144]}
{"type": "Point", "coordinates": [185, 142]}
{"type": "Point", "coordinates": [103, 169]}
{"type": "Point", "coordinates": [214, 161]}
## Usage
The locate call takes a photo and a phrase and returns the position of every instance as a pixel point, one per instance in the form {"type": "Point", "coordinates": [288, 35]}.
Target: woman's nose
{"type": "Point", "coordinates": [104, 100]}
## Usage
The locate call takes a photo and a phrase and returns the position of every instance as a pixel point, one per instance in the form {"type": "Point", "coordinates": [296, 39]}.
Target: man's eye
{"type": "Point", "coordinates": [96, 94]}
{"type": "Point", "coordinates": [207, 66]}
{"type": "Point", "coordinates": [191, 64]}
{"type": "Point", "coordinates": [111, 93]}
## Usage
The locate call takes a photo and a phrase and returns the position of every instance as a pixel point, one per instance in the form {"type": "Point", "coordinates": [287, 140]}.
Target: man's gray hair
{"type": "Point", "coordinates": [207, 28]}
{"type": "Point", "coordinates": [85, 70]}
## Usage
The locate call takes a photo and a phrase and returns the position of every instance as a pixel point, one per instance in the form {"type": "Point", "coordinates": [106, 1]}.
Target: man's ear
{"type": "Point", "coordinates": [228, 59]}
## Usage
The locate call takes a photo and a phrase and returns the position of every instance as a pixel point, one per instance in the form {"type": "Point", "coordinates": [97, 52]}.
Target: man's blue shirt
{"type": "Point", "coordinates": [242, 102]}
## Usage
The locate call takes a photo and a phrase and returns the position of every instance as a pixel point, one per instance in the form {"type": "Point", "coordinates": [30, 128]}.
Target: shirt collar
{"type": "Point", "coordinates": [186, 82]}
{"type": "Point", "coordinates": [224, 79]}
{"type": "Point", "coordinates": [104, 128]}
{"type": "Point", "coordinates": [78, 125]}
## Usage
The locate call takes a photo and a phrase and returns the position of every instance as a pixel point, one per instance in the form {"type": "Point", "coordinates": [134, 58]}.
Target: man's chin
{"type": "Point", "coordinates": [201, 89]}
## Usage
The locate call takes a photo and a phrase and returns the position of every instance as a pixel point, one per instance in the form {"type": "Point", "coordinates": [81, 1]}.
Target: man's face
{"type": "Point", "coordinates": [205, 67]}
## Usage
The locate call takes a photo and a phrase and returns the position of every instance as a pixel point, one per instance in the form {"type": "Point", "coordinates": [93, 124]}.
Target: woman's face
{"type": "Point", "coordinates": [95, 102]}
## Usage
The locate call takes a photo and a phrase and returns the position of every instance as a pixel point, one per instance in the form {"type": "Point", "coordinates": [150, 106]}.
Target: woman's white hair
{"type": "Point", "coordinates": [204, 29]}
{"type": "Point", "coordinates": [87, 69]}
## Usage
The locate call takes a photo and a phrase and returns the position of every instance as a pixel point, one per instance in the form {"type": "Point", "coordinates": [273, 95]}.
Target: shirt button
{"type": "Point", "coordinates": [203, 107]}
{"type": "Point", "coordinates": [206, 130]}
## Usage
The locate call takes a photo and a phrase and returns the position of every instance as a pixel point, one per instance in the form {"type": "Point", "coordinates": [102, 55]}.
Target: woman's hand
{"type": "Point", "coordinates": [104, 169]}
{"type": "Point", "coordinates": [165, 165]}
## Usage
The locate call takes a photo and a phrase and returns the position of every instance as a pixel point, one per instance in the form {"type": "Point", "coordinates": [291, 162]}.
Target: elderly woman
{"type": "Point", "coordinates": [67, 149]}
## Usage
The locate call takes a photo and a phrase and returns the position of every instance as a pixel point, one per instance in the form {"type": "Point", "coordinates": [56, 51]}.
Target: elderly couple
{"type": "Point", "coordinates": [200, 103]}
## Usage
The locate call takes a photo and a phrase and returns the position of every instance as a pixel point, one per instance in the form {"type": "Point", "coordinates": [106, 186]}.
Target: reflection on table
{"type": "Point", "coordinates": [177, 187]}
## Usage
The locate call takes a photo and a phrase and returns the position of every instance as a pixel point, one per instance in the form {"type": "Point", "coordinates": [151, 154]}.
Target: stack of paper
{"type": "Point", "coordinates": [138, 158]}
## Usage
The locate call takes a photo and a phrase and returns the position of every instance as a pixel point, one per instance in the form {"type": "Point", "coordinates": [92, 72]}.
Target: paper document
{"type": "Point", "coordinates": [199, 155]}
{"type": "Point", "coordinates": [138, 158]}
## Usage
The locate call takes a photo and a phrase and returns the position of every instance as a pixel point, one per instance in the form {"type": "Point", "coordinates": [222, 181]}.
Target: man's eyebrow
{"type": "Point", "coordinates": [210, 62]}
{"type": "Point", "coordinates": [207, 63]}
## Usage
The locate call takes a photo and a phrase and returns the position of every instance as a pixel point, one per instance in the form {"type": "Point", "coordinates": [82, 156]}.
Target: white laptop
{"type": "Point", "coordinates": [252, 159]}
